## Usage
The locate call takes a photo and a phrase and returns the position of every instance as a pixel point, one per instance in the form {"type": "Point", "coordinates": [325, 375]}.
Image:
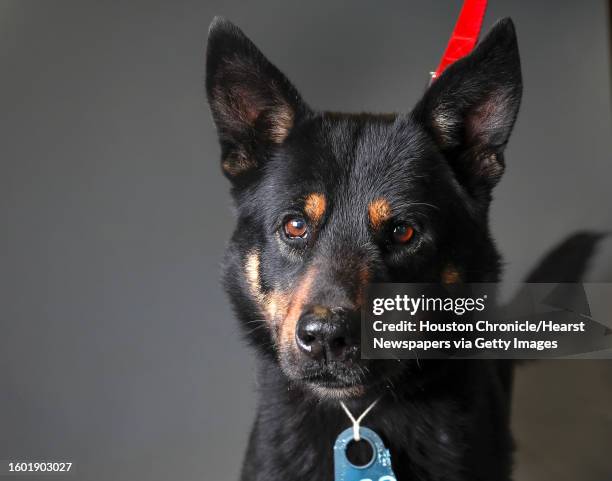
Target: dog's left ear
{"type": "Point", "coordinates": [470, 110]}
{"type": "Point", "coordinates": [253, 104]}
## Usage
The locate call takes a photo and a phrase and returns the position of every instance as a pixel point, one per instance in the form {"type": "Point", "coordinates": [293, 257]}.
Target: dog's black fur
{"type": "Point", "coordinates": [434, 169]}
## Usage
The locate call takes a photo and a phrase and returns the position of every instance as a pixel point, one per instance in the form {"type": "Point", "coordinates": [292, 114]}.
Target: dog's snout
{"type": "Point", "coordinates": [324, 334]}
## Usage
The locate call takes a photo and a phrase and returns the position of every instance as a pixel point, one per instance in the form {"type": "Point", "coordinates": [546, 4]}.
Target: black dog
{"type": "Point", "coordinates": [328, 203]}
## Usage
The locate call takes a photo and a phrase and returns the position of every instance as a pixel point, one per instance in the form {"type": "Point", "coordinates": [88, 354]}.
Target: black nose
{"type": "Point", "coordinates": [324, 334]}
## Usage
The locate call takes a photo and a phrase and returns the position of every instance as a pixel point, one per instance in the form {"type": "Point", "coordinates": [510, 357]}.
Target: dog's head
{"type": "Point", "coordinates": [328, 203]}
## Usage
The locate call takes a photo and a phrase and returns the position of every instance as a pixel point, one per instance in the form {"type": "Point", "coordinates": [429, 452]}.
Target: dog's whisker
{"type": "Point", "coordinates": [255, 329]}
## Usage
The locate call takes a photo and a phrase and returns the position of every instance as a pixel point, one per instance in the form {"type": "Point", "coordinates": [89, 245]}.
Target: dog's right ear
{"type": "Point", "coordinates": [253, 104]}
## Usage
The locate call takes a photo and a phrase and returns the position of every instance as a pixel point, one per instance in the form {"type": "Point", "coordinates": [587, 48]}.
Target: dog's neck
{"type": "Point", "coordinates": [428, 427]}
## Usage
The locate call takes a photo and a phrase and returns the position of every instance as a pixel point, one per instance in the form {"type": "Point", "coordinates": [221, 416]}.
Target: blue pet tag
{"type": "Point", "coordinates": [377, 469]}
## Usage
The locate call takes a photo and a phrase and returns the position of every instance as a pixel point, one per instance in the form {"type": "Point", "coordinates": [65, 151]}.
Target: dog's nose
{"type": "Point", "coordinates": [324, 334]}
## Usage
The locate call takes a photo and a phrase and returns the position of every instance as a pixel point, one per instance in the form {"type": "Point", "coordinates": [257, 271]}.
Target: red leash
{"type": "Point", "coordinates": [464, 36]}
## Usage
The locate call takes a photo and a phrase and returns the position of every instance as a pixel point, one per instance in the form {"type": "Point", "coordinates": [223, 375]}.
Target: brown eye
{"type": "Point", "coordinates": [402, 233]}
{"type": "Point", "coordinates": [296, 228]}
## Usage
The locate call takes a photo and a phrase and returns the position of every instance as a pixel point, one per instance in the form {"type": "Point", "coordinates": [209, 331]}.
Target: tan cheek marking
{"type": "Point", "coordinates": [277, 304]}
{"type": "Point", "coordinates": [296, 305]}
{"type": "Point", "coordinates": [252, 275]}
{"type": "Point", "coordinates": [272, 305]}
{"type": "Point", "coordinates": [315, 206]}
{"type": "Point", "coordinates": [450, 275]}
{"type": "Point", "coordinates": [379, 211]}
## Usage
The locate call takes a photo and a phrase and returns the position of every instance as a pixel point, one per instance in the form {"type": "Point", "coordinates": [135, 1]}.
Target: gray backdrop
{"type": "Point", "coordinates": [117, 347]}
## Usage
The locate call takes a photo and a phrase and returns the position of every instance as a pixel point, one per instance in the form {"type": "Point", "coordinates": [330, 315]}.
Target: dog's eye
{"type": "Point", "coordinates": [296, 228]}
{"type": "Point", "coordinates": [402, 233]}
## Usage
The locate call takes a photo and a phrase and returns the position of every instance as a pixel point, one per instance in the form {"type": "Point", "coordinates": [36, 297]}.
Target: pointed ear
{"type": "Point", "coordinates": [253, 104]}
{"type": "Point", "coordinates": [471, 108]}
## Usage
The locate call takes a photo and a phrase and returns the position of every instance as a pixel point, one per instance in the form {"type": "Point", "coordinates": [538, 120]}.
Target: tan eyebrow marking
{"type": "Point", "coordinates": [379, 211]}
{"type": "Point", "coordinates": [314, 207]}
{"type": "Point", "coordinates": [450, 275]}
